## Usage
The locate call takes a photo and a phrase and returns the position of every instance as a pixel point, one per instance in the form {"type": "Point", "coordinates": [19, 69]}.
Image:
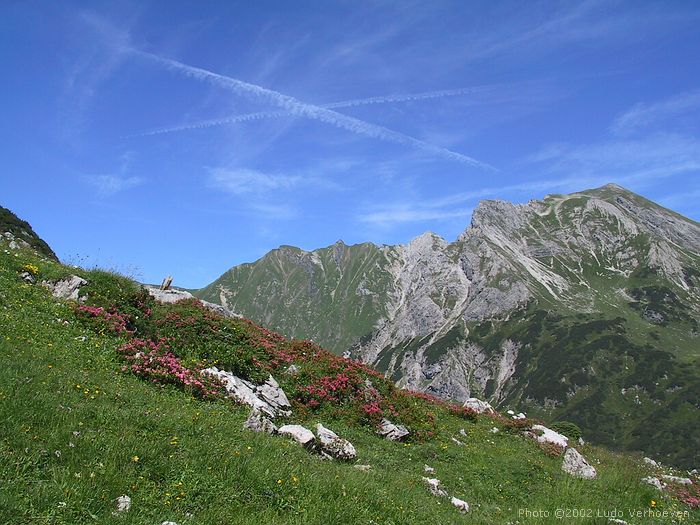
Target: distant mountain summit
{"type": "Point", "coordinates": [582, 307]}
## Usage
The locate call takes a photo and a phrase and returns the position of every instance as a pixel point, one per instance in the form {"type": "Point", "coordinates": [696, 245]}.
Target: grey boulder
{"type": "Point", "coordinates": [333, 445]}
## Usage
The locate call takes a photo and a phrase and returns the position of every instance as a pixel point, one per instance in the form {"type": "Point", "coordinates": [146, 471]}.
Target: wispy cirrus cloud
{"type": "Point", "coordinates": [642, 116]}
{"type": "Point", "coordinates": [567, 168]}
{"type": "Point", "coordinates": [314, 112]}
{"type": "Point", "coordinates": [108, 185]}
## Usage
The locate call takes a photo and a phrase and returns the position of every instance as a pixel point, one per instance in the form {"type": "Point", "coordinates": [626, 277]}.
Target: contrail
{"type": "Point", "coordinates": [247, 117]}
{"type": "Point", "coordinates": [296, 107]}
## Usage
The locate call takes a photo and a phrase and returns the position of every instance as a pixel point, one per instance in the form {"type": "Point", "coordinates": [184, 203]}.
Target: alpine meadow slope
{"type": "Point", "coordinates": [111, 414]}
{"type": "Point", "coordinates": [581, 307]}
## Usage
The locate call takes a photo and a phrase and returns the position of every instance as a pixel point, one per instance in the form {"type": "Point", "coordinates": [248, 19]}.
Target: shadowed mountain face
{"type": "Point", "coordinates": [582, 307]}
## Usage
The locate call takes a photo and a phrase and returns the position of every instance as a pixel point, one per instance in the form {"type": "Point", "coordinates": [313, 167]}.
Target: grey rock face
{"type": "Point", "coordinates": [68, 288]}
{"type": "Point", "coordinates": [391, 431]}
{"type": "Point", "coordinates": [576, 465]}
{"type": "Point", "coordinates": [333, 445]}
{"type": "Point", "coordinates": [258, 422]}
{"type": "Point", "coordinates": [300, 434]}
{"type": "Point", "coordinates": [267, 398]}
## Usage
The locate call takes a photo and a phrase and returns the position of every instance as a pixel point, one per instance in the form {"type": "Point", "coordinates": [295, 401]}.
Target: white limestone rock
{"type": "Point", "coordinates": [651, 462]}
{"type": "Point", "coordinates": [122, 504]}
{"type": "Point", "coordinates": [478, 406]}
{"type": "Point", "coordinates": [654, 482]}
{"type": "Point", "coordinates": [576, 465]}
{"type": "Point", "coordinates": [547, 435]}
{"type": "Point", "coordinates": [268, 398]}
{"type": "Point", "coordinates": [428, 469]}
{"type": "Point", "coordinates": [271, 393]}
{"type": "Point", "coordinates": [462, 505]}
{"type": "Point", "coordinates": [434, 488]}
{"type": "Point", "coordinates": [259, 422]}
{"type": "Point", "coordinates": [333, 445]}
{"type": "Point", "coordinates": [363, 468]}
{"type": "Point", "coordinates": [68, 288]}
{"type": "Point", "coordinates": [391, 431]}
{"type": "Point", "coordinates": [173, 295]}
{"type": "Point", "coordinates": [676, 479]}
{"type": "Point", "coordinates": [300, 434]}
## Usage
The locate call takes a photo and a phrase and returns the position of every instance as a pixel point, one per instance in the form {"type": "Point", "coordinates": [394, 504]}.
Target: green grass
{"type": "Point", "coordinates": [62, 389]}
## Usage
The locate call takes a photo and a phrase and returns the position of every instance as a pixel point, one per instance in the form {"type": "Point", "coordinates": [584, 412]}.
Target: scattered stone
{"type": "Point", "coordinates": [292, 370]}
{"type": "Point", "coordinates": [123, 504]}
{"type": "Point", "coordinates": [434, 487]}
{"type": "Point", "coordinates": [478, 406]}
{"type": "Point", "coordinates": [457, 442]}
{"type": "Point", "coordinates": [619, 522]}
{"type": "Point", "coordinates": [428, 469]}
{"type": "Point", "coordinates": [654, 482]}
{"type": "Point", "coordinates": [676, 479]}
{"type": "Point", "coordinates": [274, 401]}
{"type": "Point", "coordinates": [363, 468]}
{"type": "Point", "coordinates": [550, 436]}
{"type": "Point", "coordinates": [494, 430]}
{"type": "Point", "coordinates": [333, 445]}
{"type": "Point", "coordinates": [68, 288]}
{"type": "Point", "coordinates": [463, 432]}
{"type": "Point", "coordinates": [520, 416]}
{"type": "Point", "coordinates": [576, 465]}
{"type": "Point", "coordinates": [462, 505]}
{"type": "Point", "coordinates": [510, 413]}
{"type": "Point", "coordinates": [168, 523]}
{"type": "Point", "coordinates": [581, 442]}
{"type": "Point", "coordinates": [651, 462]}
{"type": "Point", "coordinates": [301, 435]}
{"type": "Point", "coordinates": [28, 277]}
{"type": "Point", "coordinates": [259, 422]}
{"type": "Point", "coordinates": [391, 431]}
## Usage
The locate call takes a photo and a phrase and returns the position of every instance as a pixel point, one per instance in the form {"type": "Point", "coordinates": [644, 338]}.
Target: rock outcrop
{"type": "Point", "coordinates": [298, 433]}
{"type": "Point", "coordinates": [390, 431]}
{"type": "Point", "coordinates": [333, 446]}
{"type": "Point", "coordinates": [267, 398]}
{"type": "Point", "coordinates": [576, 465]}
{"type": "Point", "coordinates": [67, 288]}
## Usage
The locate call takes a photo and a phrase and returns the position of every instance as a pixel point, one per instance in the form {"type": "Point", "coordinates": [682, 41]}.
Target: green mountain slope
{"type": "Point", "coordinates": [86, 421]}
{"type": "Point", "coordinates": [14, 230]}
{"type": "Point", "coordinates": [534, 306]}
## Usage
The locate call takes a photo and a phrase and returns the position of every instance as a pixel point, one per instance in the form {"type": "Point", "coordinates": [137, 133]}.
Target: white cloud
{"type": "Point", "coordinates": [642, 115]}
{"type": "Point", "coordinates": [403, 214]}
{"type": "Point", "coordinates": [108, 185]}
{"type": "Point", "coordinates": [242, 180]}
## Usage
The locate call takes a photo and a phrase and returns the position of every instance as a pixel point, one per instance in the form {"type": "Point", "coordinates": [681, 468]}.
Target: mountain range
{"type": "Point", "coordinates": [580, 307]}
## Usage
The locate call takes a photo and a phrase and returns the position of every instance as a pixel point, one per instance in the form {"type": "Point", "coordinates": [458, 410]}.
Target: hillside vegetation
{"type": "Point", "coordinates": [87, 418]}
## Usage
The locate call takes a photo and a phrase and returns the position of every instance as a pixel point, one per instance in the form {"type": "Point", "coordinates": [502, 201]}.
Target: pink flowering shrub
{"type": "Point", "coordinates": [153, 361]}
{"type": "Point", "coordinates": [103, 320]}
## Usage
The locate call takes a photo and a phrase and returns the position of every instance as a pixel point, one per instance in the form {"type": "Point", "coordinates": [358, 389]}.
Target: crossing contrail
{"type": "Point", "coordinates": [247, 117]}
{"type": "Point", "coordinates": [296, 107]}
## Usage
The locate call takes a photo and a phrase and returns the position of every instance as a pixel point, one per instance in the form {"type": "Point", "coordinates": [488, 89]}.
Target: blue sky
{"type": "Point", "coordinates": [183, 138]}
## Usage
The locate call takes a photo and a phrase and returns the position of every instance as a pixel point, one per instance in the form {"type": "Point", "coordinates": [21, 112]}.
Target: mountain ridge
{"type": "Point", "coordinates": [470, 317]}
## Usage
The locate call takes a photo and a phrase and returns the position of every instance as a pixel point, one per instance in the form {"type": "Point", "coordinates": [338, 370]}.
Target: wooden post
{"type": "Point", "coordinates": [166, 283]}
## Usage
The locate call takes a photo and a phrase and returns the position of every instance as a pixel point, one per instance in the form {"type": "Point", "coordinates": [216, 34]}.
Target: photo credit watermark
{"type": "Point", "coordinates": [589, 513]}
